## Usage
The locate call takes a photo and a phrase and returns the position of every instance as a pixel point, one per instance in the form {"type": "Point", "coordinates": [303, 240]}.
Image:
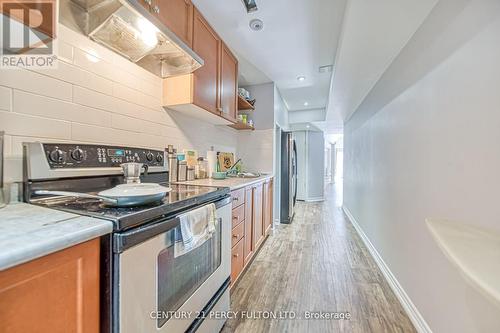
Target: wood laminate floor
{"type": "Point", "coordinates": [316, 264]}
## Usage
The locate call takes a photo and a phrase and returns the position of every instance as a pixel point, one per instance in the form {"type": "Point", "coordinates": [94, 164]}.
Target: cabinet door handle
{"type": "Point", "coordinates": [156, 9]}
{"type": "Point", "coordinates": [236, 255]}
{"type": "Point", "coordinates": [236, 199]}
{"type": "Point", "coordinates": [236, 236]}
{"type": "Point", "coordinates": [236, 217]}
{"type": "Point", "coordinates": [148, 2]}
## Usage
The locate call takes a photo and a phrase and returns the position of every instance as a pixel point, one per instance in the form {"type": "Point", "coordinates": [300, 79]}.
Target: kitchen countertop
{"type": "Point", "coordinates": [28, 232]}
{"type": "Point", "coordinates": [233, 183]}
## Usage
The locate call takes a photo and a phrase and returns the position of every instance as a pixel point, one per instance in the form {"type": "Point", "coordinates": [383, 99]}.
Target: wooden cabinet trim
{"type": "Point", "coordinates": [232, 114]}
{"type": "Point", "coordinates": [198, 17]}
{"type": "Point", "coordinates": [238, 215]}
{"type": "Point", "coordinates": [237, 234]}
{"type": "Point", "coordinates": [238, 197]}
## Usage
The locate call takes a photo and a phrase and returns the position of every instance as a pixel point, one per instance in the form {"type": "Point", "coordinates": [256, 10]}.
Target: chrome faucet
{"type": "Point", "coordinates": [231, 170]}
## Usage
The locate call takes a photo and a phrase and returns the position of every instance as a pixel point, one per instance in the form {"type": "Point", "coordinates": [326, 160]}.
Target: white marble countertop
{"type": "Point", "coordinates": [28, 232]}
{"type": "Point", "coordinates": [233, 183]}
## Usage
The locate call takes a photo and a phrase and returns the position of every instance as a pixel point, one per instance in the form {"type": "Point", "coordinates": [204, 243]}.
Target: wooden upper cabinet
{"type": "Point", "coordinates": [177, 15]}
{"type": "Point", "coordinates": [206, 43]}
{"type": "Point", "coordinates": [57, 293]}
{"type": "Point", "coordinates": [147, 4]}
{"type": "Point", "coordinates": [229, 83]}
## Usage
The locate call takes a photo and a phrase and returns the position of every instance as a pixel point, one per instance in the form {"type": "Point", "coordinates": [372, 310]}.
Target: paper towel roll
{"type": "Point", "coordinates": [212, 162]}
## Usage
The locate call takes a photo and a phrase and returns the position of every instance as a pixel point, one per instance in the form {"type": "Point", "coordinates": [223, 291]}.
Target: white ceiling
{"type": "Point", "coordinates": [298, 37]}
{"type": "Point", "coordinates": [373, 34]}
{"type": "Point", "coordinates": [361, 38]}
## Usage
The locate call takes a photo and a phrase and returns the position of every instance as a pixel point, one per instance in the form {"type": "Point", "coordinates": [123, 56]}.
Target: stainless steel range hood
{"type": "Point", "coordinates": [129, 29]}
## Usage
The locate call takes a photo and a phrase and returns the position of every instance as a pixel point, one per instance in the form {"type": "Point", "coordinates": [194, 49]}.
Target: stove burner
{"type": "Point", "coordinates": [181, 197]}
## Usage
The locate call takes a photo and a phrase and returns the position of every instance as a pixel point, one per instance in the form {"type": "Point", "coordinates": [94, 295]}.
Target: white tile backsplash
{"type": "Point", "coordinates": [47, 107]}
{"type": "Point", "coordinates": [95, 96]}
{"type": "Point", "coordinates": [5, 99]}
{"type": "Point", "coordinates": [20, 124]}
{"type": "Point", "coordinates": [37, 83]}
{"type": "Point", "coordinates": [93, 99]}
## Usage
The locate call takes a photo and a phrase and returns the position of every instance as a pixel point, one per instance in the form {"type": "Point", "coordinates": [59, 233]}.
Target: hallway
{"type": "Point", "coordinates": [317, 264]}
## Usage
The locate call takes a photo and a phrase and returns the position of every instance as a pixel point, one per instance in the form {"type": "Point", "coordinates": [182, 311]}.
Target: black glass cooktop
{"type": "Point", "coordinates": [181, 197]}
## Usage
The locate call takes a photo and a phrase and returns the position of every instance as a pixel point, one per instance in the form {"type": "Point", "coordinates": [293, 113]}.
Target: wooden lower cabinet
{"type": "Point", "coordinates": [237, 260]}
{"type": "Point", "coordinates": [258, 222]}
{"type": "Point", "coordinates": [256, 203]}
{"type": "Point", "coordinates": [248, 248]}
{"type": "Point", "coordinates": [268, 206]}
{"type": "Point", "coordinates": [55, 293]}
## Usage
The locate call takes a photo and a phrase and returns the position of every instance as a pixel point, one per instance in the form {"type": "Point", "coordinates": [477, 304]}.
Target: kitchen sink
{"type": "Point", "coordinates": [245, 175]}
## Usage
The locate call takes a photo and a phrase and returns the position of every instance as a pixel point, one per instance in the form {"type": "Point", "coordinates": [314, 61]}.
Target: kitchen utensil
{"type": "Point", "coordinates": [191, 157]}
{"type": "Point", "coordinates": [124, 195]}
{"type": "Point", "coordinates": [132, 171]}
{"type": "Point", "coordinates": [200, 170]}
{"type": "Point", "coordinates": [2, 197]}
{"type": "Point", "coordinates": [219, 175]}
{"type": "Point", "coordinates": [226, 160]}
{"type": "Point", "coordinates": [211, 162]}
{"type": "Point", "coordinates": [182, 171]}
{"type": "Point", "coordinates": [190, 173]}
{"type": "Point", "coordinates": [172, 163]}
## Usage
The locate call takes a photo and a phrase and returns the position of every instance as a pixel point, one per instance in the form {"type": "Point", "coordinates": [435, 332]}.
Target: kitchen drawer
{"type": "Point", "coordinates": [238, 197]}
{"type": "Point", "coordinates": [238, 215]}
{"type": "Point", "coordinates": [236, 260]}
{"type": "Point", "coordinates": [237, 234]}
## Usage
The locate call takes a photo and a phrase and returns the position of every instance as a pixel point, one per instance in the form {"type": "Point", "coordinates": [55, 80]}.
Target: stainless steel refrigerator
{"type": "Point", "coordinates": [288, 177]}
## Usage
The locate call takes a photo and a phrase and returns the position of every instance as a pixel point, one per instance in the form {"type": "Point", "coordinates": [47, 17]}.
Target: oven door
{"type": "Point", "coordinates": [159, 291]}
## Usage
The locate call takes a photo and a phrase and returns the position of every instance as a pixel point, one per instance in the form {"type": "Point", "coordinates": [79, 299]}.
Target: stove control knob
{"type": "Point", "coordinates": [57, 156]}
{"type": "Point", "coordinates": [159, 158]}
{"type": "Point", "coordinates": [77, 154]}
{"type": "Point", "coordinates": [150, 156]}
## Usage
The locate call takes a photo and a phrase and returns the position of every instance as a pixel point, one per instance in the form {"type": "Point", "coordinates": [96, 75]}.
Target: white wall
{"type": "Point", "coordinates": [310, 165]}
{"type": "Point", "coordinates": [94, 96]}
{"type": "Point", "coordinates": [256, 149]}
{"type": "Point", "coordinates": [306, 116]}
{"type": "Point", "coordinates": [432, 151]}
{"type": "Point", "coordinates": [263, 115]}
{"type": "Point", "coordinates": [315, 165]}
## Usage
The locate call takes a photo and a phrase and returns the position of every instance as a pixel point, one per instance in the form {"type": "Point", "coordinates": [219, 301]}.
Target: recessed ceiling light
{"type": "Point", "coordinates": [256, 24]}
{"type": "Point", "coordinates": [306, 103]}
{"type": "Point", "coordinates": [307, 126]}
{"type": "Point", "coordinates": [301, 78]}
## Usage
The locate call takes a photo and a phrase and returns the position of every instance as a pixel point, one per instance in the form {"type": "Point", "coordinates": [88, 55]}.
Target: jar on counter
{"type": "Point", "coordinates": [201, 168]}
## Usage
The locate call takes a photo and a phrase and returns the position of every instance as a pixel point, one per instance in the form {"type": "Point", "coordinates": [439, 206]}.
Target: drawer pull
{"type": "Point", "coordinates": [236, 217]}
{"type": "Point", "coordinates": [236, 199]}
{"type": "Point", "coordinates": [236, 236]}
{"type": "Point", "coordinates": [236, 255]}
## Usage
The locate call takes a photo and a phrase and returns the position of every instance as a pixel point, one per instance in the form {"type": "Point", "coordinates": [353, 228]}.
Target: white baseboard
{"type": "Point", "coordinates": [411, 310]}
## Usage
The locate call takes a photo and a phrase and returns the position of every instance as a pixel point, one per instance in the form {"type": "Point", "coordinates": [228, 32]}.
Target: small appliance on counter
{"type": "Point", "coordinates": [142, 273]}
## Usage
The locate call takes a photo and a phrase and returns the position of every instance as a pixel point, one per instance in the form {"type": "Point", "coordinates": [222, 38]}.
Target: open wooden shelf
{"type": "Point", "coordinates": [243, 104]}
{"type": "Point", "coordinates": [242, 126]}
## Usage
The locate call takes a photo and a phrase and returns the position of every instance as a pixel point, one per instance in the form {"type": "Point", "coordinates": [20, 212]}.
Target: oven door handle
{"type": "Point", "coordinates": [125, 240]}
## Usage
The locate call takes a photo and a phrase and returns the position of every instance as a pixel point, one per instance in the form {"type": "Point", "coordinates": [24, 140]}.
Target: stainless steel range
{"type": "Point", "coordinates": [147, 287]}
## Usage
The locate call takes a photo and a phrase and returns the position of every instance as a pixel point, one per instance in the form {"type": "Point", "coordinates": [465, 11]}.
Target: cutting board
{"type": "Point", "coordinates": [226, 160]}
